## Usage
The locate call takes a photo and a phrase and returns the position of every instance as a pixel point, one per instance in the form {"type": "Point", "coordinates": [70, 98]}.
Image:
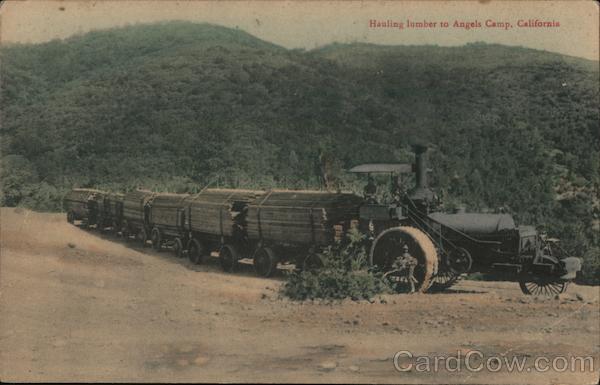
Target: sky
{"type": "Point", "coordinates": [310, 24]}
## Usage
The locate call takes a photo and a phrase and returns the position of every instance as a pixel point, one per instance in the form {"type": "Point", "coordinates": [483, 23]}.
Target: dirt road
{"type": "Point", "coordinates": [76, 305]}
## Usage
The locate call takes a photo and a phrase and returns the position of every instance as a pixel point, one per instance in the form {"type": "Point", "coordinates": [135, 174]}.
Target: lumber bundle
{"type": "Point", "coordinates": [300, 217]}
{"type": "Point", "coordinates": [219, 211]}
{"type": "Point", "coordinates": [133, 205]}
{"type": "Point", "coordinates": [167, 210]}
{"type": "Point", "coordinates": [112, 205]}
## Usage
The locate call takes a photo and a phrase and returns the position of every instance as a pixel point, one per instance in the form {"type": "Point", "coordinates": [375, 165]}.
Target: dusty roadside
{"type": "Point", "coordinates": [78, 306]}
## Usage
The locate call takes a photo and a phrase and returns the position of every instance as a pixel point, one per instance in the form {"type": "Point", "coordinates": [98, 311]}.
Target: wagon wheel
{"type": "Point", "coordinates": [143, 236]}
{"type": "Point", "coordinates": [265, 262]}
{"type": "Point", "coordinates": [390, 247]}
{"type": "Point", "coordinates": [70, 217]}
{"type": "Point", "coordinates": [228, 257]}
{"type": "Point", "coordinates": [125, 230]}
{"type": "Point", "coordinates": [457, 262]}
{"type": "Point", "coordinates": [115, 227]}
{"type": "Point", "coordinates": [156, 239]}
{"type": "Point", "coordinates": [312, 262]}
{"type": "Point", "coordinates": [100, 223]}
{"type": "Point", "coordinates": [92, 219]}
{"type": "Point", "coordinates": [542, 286]}
{"type": "Point", "coordinates": [195, 251]}
{"type": "Point", "coordinates": [178, 247]}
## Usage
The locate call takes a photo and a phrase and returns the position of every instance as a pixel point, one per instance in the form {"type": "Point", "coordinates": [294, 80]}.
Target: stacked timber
{"type": "Point", "coordinates": [114, 205]}
{"type": "Point", "coordinates": [133, 205]}
{"type": "Point", "coordinates": [219, 211]}
{"type": "Point", "coordinates": [77, 199]}
{"type": "Point", "coordinates": [301, 217]}
{"type": "Point", "coordinates": [167, 210]}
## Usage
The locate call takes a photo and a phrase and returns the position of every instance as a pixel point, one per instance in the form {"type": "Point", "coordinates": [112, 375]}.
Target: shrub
{"type": "Point", "coordinates": [590, 272]}
{"type": "Point", "coordinates": [343, 274]}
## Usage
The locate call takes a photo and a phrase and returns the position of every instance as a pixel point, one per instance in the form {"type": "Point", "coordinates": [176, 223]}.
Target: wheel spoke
{"type": "Point", "coordinates": [541, 286]}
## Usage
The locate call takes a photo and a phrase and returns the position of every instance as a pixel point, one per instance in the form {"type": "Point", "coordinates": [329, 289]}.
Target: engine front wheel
{"type": "Point", "coordinates": [542, 286]}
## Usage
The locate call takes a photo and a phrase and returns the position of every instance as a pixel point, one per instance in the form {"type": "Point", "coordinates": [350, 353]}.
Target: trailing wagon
{"type": "Point", "coordinates": [110, 211]}
{"type": "Point", "coordinates": [136, 214]}
{"type": "Point", "coordinates": [216, 221]}
{"type": "Point", "coordinates": [291, 226]}
{"type": "Point", "coordinates": [82, 204]}
{"type": "Point", "coordinates": [166, 219]}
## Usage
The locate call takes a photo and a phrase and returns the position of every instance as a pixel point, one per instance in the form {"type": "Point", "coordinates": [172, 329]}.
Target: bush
{"type": "Point", "coordinates": [344, 274]}
{"type": "Point", "coordinates": [590, 272]}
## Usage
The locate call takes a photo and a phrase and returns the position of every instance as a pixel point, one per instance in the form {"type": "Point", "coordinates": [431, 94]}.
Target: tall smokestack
{"type": "Point", "coordinates": [421, 166]}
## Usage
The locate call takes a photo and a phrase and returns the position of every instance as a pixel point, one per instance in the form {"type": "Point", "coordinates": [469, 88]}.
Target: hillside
{"type": "Point", "coordinates": [177, 106]}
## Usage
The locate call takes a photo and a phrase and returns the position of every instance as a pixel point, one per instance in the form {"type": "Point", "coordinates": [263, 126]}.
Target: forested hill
{"type": "Point", "coordinates": [176, 106]}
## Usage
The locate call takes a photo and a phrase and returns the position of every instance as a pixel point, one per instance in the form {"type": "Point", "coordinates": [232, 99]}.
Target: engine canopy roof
{"type": "Point", "coordinates": [399, 168]}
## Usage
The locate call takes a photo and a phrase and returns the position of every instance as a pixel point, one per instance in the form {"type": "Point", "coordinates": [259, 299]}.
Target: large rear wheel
{"type": "Point", "coordinates": [407, 257]}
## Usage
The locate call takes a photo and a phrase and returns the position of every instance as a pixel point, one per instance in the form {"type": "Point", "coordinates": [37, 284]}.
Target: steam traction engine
{"type": "Point", "coordinates": [420, 249]}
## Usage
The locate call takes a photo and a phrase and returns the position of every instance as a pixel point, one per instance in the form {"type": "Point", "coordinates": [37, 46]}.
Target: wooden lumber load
{"type": "Point", "coordinates": [76, 201]}
{"type": "Point", "coordinates": [114, 205]}
{"type": "Point", "coordinates": [300, 217]}
{"type": "Point", "coordinates": [219, 211]}
{"type": "Point", "coordinates": [167, 212]}
{"type": "Point", "coordinates": [110, 209]}
{"type": "Point", "coordinates": [134, 203]}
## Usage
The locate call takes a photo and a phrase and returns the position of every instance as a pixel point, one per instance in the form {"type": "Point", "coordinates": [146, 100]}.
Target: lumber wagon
{"type": "Point", "coordinates": [291, 226]}
{"type": "Point", "coordinates": [215, 220]}
{"type": "Point", "coordinates": [110, 211]}
{"type": "Point", "coordinates": [167, 220]}
{"type": "Point", "coordinates": [81, 204]}
{"type": "Point", "coordinates": [136, 214]}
